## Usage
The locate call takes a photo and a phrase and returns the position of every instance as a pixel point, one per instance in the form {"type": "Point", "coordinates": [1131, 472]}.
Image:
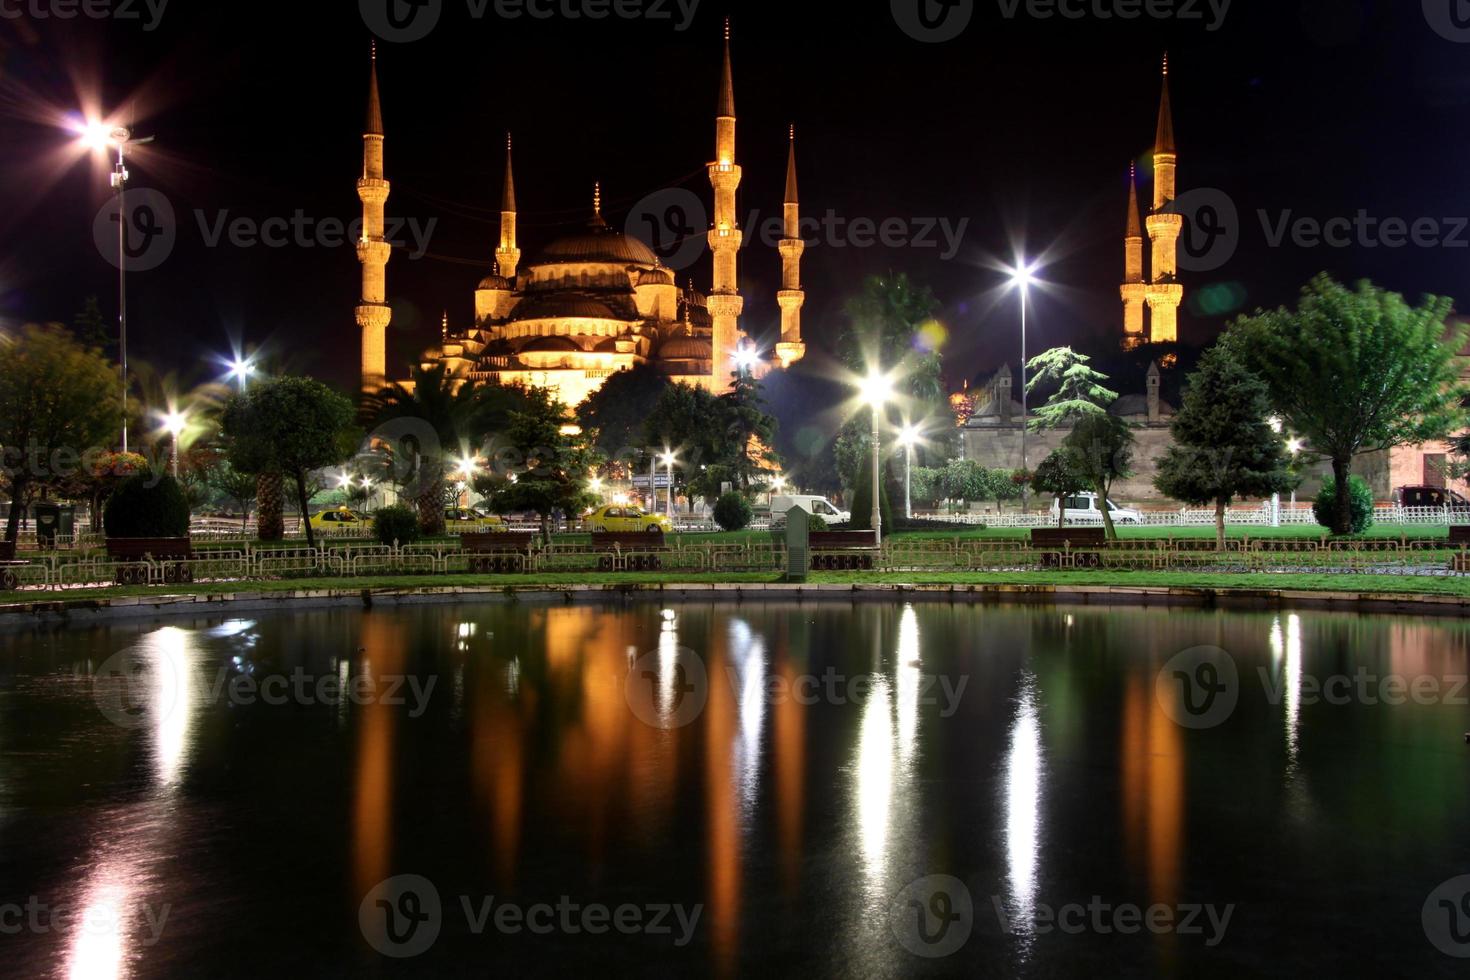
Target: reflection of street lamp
{"type": "Point", "coordinates": [907, 436]}
{"type": "Point", "coordinates": [1022, 278]}
{"type": "Point", "coordinates": [667, 459]}
{"type": "Point", "coordinates": [877, 390]}
{"type": "Point", "coordinates": [1276, 426]}
{"type": "Point", "coordinates": [173, 424]}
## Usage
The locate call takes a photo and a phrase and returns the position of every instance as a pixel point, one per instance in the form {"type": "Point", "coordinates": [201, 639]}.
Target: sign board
{"type": "Point", "coordinates": [798, 544]}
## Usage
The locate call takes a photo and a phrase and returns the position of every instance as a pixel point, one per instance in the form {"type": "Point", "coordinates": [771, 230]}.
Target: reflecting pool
{"type": "Point", "coordinates": [728, 790]}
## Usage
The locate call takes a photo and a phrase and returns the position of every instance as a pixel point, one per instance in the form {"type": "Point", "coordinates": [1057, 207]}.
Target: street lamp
{"type": "Point", "coordinates": [242, 368]}
{"type": "Point", "coordinates": [1276, 426]}
{"type": "Point", "coordinates": [907, 436]}
{"type": "Point", "coordinates": [877, 391]}
{"type": "Point", "coordinates": [1023, 276]}
{"type": "Point", "coordinates": [667, 459]}
{"type": "Point", "coordinates": [99, 136]}
{"type": "Point", "coordinates": [174, 423]}
{"type": "Point", "coordinates": [746, 359]}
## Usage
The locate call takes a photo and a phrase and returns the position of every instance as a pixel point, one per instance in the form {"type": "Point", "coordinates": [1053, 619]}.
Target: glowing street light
{"type": "Point", "coordinates": [907, 437]}
{"type": "Point", "coordinates": [174, 423]}
{"type": "Point", "coordinates": [668, 458]}
{"type": "Point", "coordinates": [242, 368]}
{"type": "Point", "coordinates": [1023, 277]}
{"type": "Point", "coordinates": [746, 359]}
{"type": "Point", "coordinates": [876, 390]}
{"type": "Point", "coordinates": [466, 467]}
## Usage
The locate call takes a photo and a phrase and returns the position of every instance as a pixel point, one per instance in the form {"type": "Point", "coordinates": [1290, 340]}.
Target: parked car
{"type": "Point", "coordinates": [1426, 496]}
{"type": "Point", "coordinates": [814, 505]}
{"type": "Point", "coordinates": [470, 519]}
{"type": "Point", "coordinates": [1082, 509]}
{"type": "Point", "coordinates": [626, 517]}
{"type": "Point", "coordinates": [340, 520]}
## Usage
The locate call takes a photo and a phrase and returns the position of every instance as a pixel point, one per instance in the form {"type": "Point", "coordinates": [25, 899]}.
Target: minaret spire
{"type": "Point", "coordinates": [1134, 291]}
{"type": "Point", "coordinates": [791, 297]}
{"type": "Point", "coordinates": [507, 255]}
{"type": "Point", "coordinates": [1164, 137]}
{"type": "Point", "coordinates": [725, 302]}
{"type": "Point", "coordinates": [1165, 294]}
{"type": "Point", "coordinates": [373, 250]}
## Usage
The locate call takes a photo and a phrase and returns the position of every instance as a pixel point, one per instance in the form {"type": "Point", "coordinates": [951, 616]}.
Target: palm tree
{"type": "Point", "coordinates": [454, 415]}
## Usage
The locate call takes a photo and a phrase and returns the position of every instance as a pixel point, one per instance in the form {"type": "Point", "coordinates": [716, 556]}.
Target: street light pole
{"type": "Point", "coordinates": [120, 182]}
{"type": "Point", "coordinates": [877, 487]}
{"type": "Point", "coordinates": [1025, 291]}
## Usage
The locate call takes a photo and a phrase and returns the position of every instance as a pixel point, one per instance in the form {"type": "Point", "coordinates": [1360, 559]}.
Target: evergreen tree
{"type": "Point", "coordinates": [748, 430]}
{"type": "Point", "coordinates": [1224, 446]}
{"type": "Point", "coordinates": [1080, 389]}
{"type": "Point", "coordinates": [1102, 446]}
{"type": "Point", "coordinates": [538, 467]}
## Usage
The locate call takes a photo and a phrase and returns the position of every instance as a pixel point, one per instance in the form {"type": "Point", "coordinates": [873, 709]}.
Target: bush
{"type": "Point", "coordinates": [733, 511]}
{"type": "Point", "coordinates": [1360, 503]}
{"type": "Point", "coordinates": [397, 524]}
{"type": "Point", "coordinates": [147, 506]}
{"type": "Point", "coordinates": [816, 522]}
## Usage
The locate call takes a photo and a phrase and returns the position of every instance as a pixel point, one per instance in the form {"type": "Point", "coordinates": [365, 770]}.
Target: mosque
{"type": "Point", "coordinates": [591, 303]}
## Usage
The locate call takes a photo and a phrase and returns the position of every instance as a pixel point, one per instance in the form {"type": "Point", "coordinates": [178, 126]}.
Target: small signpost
{"type": "Point", "coordinates": [798, 544]}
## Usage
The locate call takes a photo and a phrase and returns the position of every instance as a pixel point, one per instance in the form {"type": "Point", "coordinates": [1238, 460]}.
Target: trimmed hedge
{"type": "Point", "coordinates": [1360, 503]}
{"type": "Point", "coordinates": [396, 524]}
{"type": "Point", "coordinates": [147, 505]}
{"type": "Point", "coordinates": [733, 512]}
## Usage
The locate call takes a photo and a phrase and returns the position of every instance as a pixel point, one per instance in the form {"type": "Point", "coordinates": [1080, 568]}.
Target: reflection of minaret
{"type": "Point", "coordinates": [791, 297]}
{"type": "Point", "coordinates": [725, 303]}
{"type": "Point", "coordinates": [373, 250]}
{"type": "Point", "coordinates": [1134, 289]}
{"type": "Point", "coordinates": [1164, 291]}
{"type": "Point", "coordinates": [507, 256]}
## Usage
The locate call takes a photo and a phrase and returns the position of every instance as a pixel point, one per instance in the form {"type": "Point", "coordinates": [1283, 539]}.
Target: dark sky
{"type": "Point", "coordinates": [1022, 127]}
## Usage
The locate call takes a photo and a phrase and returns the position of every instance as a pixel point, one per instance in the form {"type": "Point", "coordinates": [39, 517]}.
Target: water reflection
{"type": "Point", "coordinates": [1023, 779]}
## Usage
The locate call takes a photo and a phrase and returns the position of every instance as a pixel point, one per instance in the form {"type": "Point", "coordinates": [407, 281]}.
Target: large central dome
{"type": "Point", "coordinates": [598, 243]}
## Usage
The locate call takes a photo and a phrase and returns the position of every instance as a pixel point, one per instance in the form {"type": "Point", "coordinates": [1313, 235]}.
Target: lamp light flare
{"type": "Point", "coordinates": [877, 389]}
{"type": "Point", "coordinates": [908, 435]}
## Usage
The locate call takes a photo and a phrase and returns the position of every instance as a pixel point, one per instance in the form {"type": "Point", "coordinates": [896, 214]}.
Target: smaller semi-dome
{"type": "Point", "coordinates": [685, 349]}
{"type": "Point", "coordinates": [550, 344]}
{"type": "Point", "coordinates": [494, 282]}
{"type": "Point", "coordinates": [656, 277]}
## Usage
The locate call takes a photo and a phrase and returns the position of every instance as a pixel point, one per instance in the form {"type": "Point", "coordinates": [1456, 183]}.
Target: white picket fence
{"type": "Point", "coordinates": [1254, 516]}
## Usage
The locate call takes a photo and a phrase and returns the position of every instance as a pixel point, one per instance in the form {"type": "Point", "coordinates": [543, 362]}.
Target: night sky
{"type": "Point", "coordinates": [1022, 127]}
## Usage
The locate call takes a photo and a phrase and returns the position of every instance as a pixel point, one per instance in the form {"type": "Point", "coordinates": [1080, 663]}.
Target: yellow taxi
{"type": "Point", "coordinates": [341, 520]}
{"type": "Point", "coordinates": [618, 518]}
{"type": "Point", "coordinates": [458, 519]}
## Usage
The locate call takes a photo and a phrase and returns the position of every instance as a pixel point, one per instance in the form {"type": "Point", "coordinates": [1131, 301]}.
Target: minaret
{"type": "Point", "coordinates": [507, 256]}
{"type": "Point", "coordinates": [792, 296]}
{"type": "Point", "coordinates": [1164, 292]}
{"type": "Point", "coordinates": [373, 249]}
{"type": "Point", "coordinates": [725, 302]}
{"type": "Point", "coordinates": [1134, 290]}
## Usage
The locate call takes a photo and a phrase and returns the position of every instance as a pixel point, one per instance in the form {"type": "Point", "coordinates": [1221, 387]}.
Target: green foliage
{"type": "Point", "coordinates": [550, 470]}
{"type": "Point", "coordinates": [1360, 503]}
{"type": "Point", "coordinates": [58, 400]}
{"type": "Point", "coordinates": [1060, 474]}
{"type": "Point", "coordinates": [733, 512]}
{"type": "Point", "coordinates": [747, 430]}
{"type": "Point", "coordinates": [396, 524]}
{"type": "Point", "coordinates": [1356, 370]}
{"type": "Point", "coordinates": [816, 522]}
{"type": "Point", "coordinates": [288, 426]}
{"type": "Point", "coordinates": [718, 439]}
{"type": "Point", "coordinates": [862, 500]}
{"type": "Point", "coordinates": [92, 329]}
{"type": "Point", "coordinates": [1080, 390]}
{"type": "Point", "coordinates": [1102, 447]}
{"type": "Point", "coordinates": [966, 480]}
{"type": "Point", "coordinates": [927, 486]}
{"type": "Point", "coordinates": [614, 416]}
{"type": "Point", "coordinates": [801, 397]}
{"type": "Point", "coordinates": [889, 324]}
{"type": "Point", "coordinates": [147, 506]}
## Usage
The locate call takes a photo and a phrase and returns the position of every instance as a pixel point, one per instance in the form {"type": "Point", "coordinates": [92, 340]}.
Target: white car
{"type": "Point", "coordinates": [814, 505]}
{"type": "Point", "coordinates": [1082, 509]}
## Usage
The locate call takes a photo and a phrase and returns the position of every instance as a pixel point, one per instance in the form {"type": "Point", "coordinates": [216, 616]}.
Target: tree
{"type": "Point", "coordinates": [455, 418]}
{"type": "Point", "coordinates": [288, 426]}
{"type": "Point", "coordinates": [1060, 475]}
{"type": "Point", "coordinates": [613, 416]}
{"type": "Point", "coordinates": [804, 398]}
{"type": "Point", "coordinates": [689, 422]}
{"type": "Point", "coordinates": [1080, 390]}
{"type": "Point", "coordinates": [928, 485]}
{"type": "Point", "coordinates": [1000, 486]}
{"type": "Point", "coordinates": [748, 430]}
{"type": "Point", "coordinates": [1102, 446]}
{"type": "Point", "coordinates": [1224, 445]}
{"type": "Point", "coordinates": [238, 487]}
{"type": "Point", "coordinates": [965, 480]}
{"type": "Point", "coordinates": [92, 329]}
{"type": "Point", "coordinates": [538, 468]}
{"type": "Point", "coordinates": [1354, 371]}
{"type": "Point", "coordinates": [862, 500]}
{"type": "Point", "coordinates": [60, 406]}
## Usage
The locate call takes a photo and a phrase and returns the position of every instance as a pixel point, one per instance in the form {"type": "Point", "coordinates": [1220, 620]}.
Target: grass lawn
{"type": "Point", "coordinates": [1391, 584]}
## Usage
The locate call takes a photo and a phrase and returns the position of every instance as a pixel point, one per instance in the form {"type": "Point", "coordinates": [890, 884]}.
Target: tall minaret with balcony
{"type": "Point", "coordinates": [373, 249]}
{"type": "Point", "coordinates": [507, 256]}
{"type": "Point", "coordinates": [725, 302]}
{"type": "Point", "coordinates": [1134, 289]}
{"type": "Point", "coordinates": [1164, 226]}
{"type": "Point", "coordinates": [792, 296]}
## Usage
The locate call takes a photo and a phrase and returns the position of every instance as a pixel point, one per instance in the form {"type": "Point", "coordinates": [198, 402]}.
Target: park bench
{"type": "Point", "coordinates": [842, 550]}
{"type": "Point", "coordinates": [131, 553]}
{"type": "Point", "coordinates": [498, 551]}
{"type": "Point", "coordinates": [1081, 546]}
{"type": "Point", "coordinates": [633, 551]}
{"type": "Point", "coordinates": [1459, 535]}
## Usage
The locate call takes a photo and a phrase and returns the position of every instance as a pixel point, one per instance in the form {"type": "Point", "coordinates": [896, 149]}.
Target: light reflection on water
{"type": "Point", "coordinates": [1059, 775]}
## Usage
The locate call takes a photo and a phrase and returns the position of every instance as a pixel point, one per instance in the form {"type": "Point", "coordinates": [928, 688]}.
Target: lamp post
{"type": "Point", "coordinates": [173, 424]}
{"type": "Point", "coordinates": [1276, 427]}
{"type": "Point", "coordinates": [1022, 276]}
{"type": "Point", "coordinates": [877, 389]}
{"type": "Point", "coordinates": [907, 436]}
{"type": "Point", "coordinates": [668, 460]}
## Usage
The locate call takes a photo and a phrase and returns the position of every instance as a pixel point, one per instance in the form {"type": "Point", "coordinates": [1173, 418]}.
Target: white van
{"type": "Point", "coordinates": [1082, 509]}
{"type": "Point", "coordinates": [816, 506]}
